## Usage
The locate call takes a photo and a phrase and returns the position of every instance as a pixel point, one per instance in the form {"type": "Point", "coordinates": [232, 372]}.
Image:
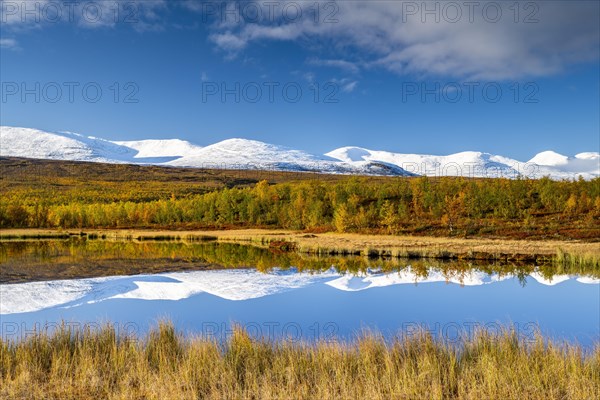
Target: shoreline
{"type": "Point", "coordinates": [336, 243]}
{"type": "Point", "coordinates": [95, 254]}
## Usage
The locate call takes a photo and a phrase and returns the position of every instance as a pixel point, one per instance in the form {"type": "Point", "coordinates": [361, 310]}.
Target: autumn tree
{"type": "Point", "coordinates": [341, 218]}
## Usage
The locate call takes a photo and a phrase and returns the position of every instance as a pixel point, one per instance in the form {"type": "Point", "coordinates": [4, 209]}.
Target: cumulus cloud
{"type": "Point", "coordinates": [229, 41]}
{"type": "Point", "coordinates": [483, 40]}
{"type": "Point", "coordinates": [459, 39]}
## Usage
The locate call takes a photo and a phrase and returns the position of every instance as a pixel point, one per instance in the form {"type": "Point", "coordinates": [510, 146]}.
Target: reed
{"type": "Point", "coordinates": [86, 364]}
{"type": "Point", "coordinates": [565, 259]}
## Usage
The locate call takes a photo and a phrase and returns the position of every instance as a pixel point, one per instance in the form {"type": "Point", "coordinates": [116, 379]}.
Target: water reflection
{"type": "Point", "coordinates": [286, 293]}
{"type": "Point", "coordinates": [24, 261]}
{"type": "Point", "coordinates": [231, 284]}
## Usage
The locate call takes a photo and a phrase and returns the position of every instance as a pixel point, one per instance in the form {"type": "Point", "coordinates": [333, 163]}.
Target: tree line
{"type": "Point", "coordinates": [399, 205]}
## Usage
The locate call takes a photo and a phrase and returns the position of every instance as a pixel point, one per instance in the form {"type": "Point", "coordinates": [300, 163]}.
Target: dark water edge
{"type": "Point", "coordinates": [77, 258]}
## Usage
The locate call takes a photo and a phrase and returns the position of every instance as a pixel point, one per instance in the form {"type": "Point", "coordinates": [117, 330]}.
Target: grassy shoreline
{"type": "Point", "coordinates": [68, 364]}
{"type": "Point", "coordinates": [330, 243]}
{"type": "Point", "coordinates": [76, 258]}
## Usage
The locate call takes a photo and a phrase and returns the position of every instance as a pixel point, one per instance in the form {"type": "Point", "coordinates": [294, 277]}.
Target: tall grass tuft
{"type": "Point", "coordinates": [86, 364]}
{"type": "Point", "coordinates": [564, 259]}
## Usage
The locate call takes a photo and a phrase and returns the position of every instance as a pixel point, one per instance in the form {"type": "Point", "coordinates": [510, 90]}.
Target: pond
{"type": "Point", "coordinates": [206, 288]}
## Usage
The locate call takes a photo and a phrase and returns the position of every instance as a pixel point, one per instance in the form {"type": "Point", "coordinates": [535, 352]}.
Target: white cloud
{"type": "Point", "coordinates": [357, 35]}
{"type": "Point", "coordinates": [390, 35]}
{"type": "Point", "coordinates": [345, 85]}
{"type": "Point", "coordinates": [8, 43]}
{"type": "Point", "coordinates": [229, 42]}
{"type": "Point", "coordinates": [350, 86]}
{"type": "Point", "coordinates": [310, 77]}
{"type": "Point", "coordinates": [342, 64]}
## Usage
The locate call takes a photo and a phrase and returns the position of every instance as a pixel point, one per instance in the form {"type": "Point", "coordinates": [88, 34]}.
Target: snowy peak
{"type": "Point", "coordinates": [243, 151]}
{"type": "Point", "coordinates": [468, 163]}
{"type": "Point", "coordinates": [244, 148]}
{"type": "Point", "coordinates": [350, 154]}
{"type": "Point", "coordinates": [161, 148]}
{"type": "Point", "coordinates": [584, 164]}
{"type": "Point", "coordinates": [255, 155]}
{"type": "Point", "coordinates": [33, 143]}
{"type": "Point", "coordinates": [252, 154]}
{"type": "Point", "coordinates": [549, 158]}
{"type": "Point", "coordinates": [589, 156]}
{"type": "Point", "coordinates": [478, 164]}
{"type": "Point", "coordinates": [238, 144]}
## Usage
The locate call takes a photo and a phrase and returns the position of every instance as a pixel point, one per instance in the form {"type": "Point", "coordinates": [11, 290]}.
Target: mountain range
{"type": "Point", "coordinates": [232, 285]}
{"type": "Point", "coordinates": [251, 154]}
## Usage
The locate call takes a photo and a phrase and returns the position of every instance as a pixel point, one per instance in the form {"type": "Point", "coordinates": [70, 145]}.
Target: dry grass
{"type": "Point", "coordinates": [331, 240]}
{"type": "Point", "coordinates": [164, 365]}
{"type": "Point", "coordinates": [561, 251]}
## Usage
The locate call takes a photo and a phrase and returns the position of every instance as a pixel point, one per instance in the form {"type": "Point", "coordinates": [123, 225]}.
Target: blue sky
{"type": "Point", "coordinates": [389, 75]}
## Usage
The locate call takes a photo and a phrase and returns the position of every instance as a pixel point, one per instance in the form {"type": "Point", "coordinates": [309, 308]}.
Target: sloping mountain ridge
{"type": "Point", "coordinates": [468, 163]}
{"type": "Point", "coordinates": [228, 154]}
{"type": "Point", "coordinates": [250, 154]}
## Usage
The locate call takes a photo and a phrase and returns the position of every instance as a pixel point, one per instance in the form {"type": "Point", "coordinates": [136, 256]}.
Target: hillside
{"type": "Point", "coordinates": [80, 195]}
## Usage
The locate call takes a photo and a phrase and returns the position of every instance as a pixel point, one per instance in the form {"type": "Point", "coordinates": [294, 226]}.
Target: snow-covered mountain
{"type": "Point", "coordinates": [468, 163]}
{"type": "Point", "coordinates": [33, 143]}
{"type": "Point", "coordinates": [251, 154]}
{"type": "Point", "coordinates": [483, 165]}
{"type": "Point", "coordinates": [232, 285]}
{"type": "Point", "coordinates": [586, 164]}
{"type": "Point", "coordinates": [228, 154]}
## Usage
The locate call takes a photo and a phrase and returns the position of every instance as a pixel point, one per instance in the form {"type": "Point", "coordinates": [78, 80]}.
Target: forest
{"type": "Point", "coordinates": [77, 199]}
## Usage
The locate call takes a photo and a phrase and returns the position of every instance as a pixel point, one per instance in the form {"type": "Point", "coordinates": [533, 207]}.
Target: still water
{"type": "Point", "coordinates": [314, 299]}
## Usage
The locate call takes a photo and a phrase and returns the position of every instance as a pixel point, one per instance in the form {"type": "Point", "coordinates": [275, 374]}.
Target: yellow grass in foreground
{"type": "Point", "coordinates": [98, 365]}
